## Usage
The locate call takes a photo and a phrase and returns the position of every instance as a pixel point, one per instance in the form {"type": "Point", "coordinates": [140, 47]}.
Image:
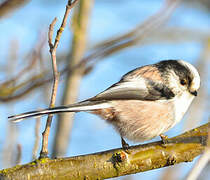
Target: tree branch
{"type": "Point", "coordinates": [53, 48]}
{"type": "Point", "coordinates": [72, 81]}
{"type": "Point", "coordinates": [113, 163]}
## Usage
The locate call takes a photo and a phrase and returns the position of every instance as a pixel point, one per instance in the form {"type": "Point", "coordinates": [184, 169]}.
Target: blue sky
{"type": "Point", "coordinates": [90, 133]}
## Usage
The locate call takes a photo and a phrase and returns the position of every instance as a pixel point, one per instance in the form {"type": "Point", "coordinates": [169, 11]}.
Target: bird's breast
{"type": "Point", "coordinates": [181, 104]}
{"type": "Point", "coordinates": [143, 120]}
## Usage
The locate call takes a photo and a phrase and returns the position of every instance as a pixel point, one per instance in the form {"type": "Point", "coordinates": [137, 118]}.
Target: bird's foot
{"type": "Point", "coordinates": [164, 138]}
{"type": "Point", "coordinates": [125, 145]}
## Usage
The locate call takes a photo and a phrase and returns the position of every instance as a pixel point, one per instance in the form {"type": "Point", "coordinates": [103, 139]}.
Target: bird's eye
{"type": "Point", "coordinates": [183, 82]}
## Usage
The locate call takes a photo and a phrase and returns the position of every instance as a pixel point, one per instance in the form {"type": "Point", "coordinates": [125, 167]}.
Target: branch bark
{"type": "Point", "coordinates": [113, 163]}
{"type": "Point", "coordinates": [45, 134]}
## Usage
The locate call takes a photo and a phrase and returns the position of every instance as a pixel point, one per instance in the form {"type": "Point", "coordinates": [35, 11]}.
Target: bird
{"type": "Point", "coordinates": [144, 104]}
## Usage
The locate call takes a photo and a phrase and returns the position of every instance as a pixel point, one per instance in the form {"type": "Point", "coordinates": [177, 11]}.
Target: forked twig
{"type": "Point", "coordinates": [53, 47]}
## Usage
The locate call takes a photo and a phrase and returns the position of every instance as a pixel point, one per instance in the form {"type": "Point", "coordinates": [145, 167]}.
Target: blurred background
{"type": "Point", "coordinates": [103, 40]}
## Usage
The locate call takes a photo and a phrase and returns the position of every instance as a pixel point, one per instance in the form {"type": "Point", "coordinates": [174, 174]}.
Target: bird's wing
{"type": "Point", "coordinates": [139, 84]}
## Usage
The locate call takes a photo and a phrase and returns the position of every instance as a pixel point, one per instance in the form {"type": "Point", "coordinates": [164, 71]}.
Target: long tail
{"type": "Point", "coordinates": [81, 106]}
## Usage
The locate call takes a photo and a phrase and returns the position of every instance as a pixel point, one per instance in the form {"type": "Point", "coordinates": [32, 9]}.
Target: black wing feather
{"type": "Point", "coordinates": [153, 91]}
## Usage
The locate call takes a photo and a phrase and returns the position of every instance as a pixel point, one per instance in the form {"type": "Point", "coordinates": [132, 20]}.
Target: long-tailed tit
{"type": "Point", "coordinates": [145, 103]}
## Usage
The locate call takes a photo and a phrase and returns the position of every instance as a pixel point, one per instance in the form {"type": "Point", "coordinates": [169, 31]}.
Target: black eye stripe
{"type": "Point", "coordinates": [179, 69]}
{"type": "Point", "coordinates": [183, 81]}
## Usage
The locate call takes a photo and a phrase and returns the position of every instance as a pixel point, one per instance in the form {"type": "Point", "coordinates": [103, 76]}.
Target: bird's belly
{"type": "Point", "coordinates": [143, 120]}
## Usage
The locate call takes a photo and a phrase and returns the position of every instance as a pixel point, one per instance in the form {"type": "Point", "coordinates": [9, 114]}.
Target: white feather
{"type": "Point", "coordinates": [181, 105]}
{"type": "Point", "coordinates": [196, 77]}
{"type": "Point", "coordinates": [138, 83]}
{"type": "Point", "coordinates": [76, 108]}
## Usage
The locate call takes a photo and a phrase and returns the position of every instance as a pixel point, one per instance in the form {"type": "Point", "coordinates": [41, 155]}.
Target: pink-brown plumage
{"type": "Point", "coordinates": [145, 103]}
{"type": "Point", "coordinates": [147, 72]}
{"type": "Point", "coordinates": [139, 120]}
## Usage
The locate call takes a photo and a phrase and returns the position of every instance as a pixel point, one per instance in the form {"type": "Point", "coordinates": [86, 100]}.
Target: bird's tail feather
{"type": "Point", "coordinates": [81, 106]}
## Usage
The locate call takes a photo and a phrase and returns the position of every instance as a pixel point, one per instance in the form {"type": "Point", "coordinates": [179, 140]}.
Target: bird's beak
{"type": "Point", "coordinates": [195, 93]}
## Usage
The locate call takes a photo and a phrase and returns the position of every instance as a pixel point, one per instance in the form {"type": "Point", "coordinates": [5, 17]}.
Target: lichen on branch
{"type": "Point", "coordinates": [115, 162]}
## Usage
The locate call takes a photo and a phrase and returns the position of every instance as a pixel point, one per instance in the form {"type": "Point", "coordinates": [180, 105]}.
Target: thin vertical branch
{"type": "Point", "coordinates": [72, 82]}
{"type": "Point", "coordinates": [19, 154]}
{"type": "Point", "coordinates": [37, 137]}
{"type": "Point", "coordinates": [53, 48]}
{"type": "Point", "coordinates": [45, 134]}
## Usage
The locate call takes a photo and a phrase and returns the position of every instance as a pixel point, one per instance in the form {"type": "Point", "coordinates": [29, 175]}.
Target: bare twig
{"type": "Point", "coordinates": [169, 35]}
{"type": "Point", "coordinates": [37, 137]}
{"type": "Point", "coordinates": [53, 47]}
{"type": "Point", "coordinates": [10, 5]}
{"type": "Point", "coordinates": [136, 35]}
{"type": "Point", "coordinates": [19, 154]}
{"type": "Point", "coordinates": [9, 149]}
{"type": "Point", "coordinates": [45, 134]}
{"type": "Point", "coordinates": [73, 79]}
{"type": "Point", "coordinates": [32, 57]}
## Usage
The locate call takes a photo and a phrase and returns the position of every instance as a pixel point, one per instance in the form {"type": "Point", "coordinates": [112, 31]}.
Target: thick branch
{"type": "Point", "coordinates": [116, 162]}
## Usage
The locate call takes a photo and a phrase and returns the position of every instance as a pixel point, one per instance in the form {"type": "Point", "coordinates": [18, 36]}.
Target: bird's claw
{"type": "Point", "coordinates": [125, 145]}
{"type": "Point", "coordinates": [164, 138]}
